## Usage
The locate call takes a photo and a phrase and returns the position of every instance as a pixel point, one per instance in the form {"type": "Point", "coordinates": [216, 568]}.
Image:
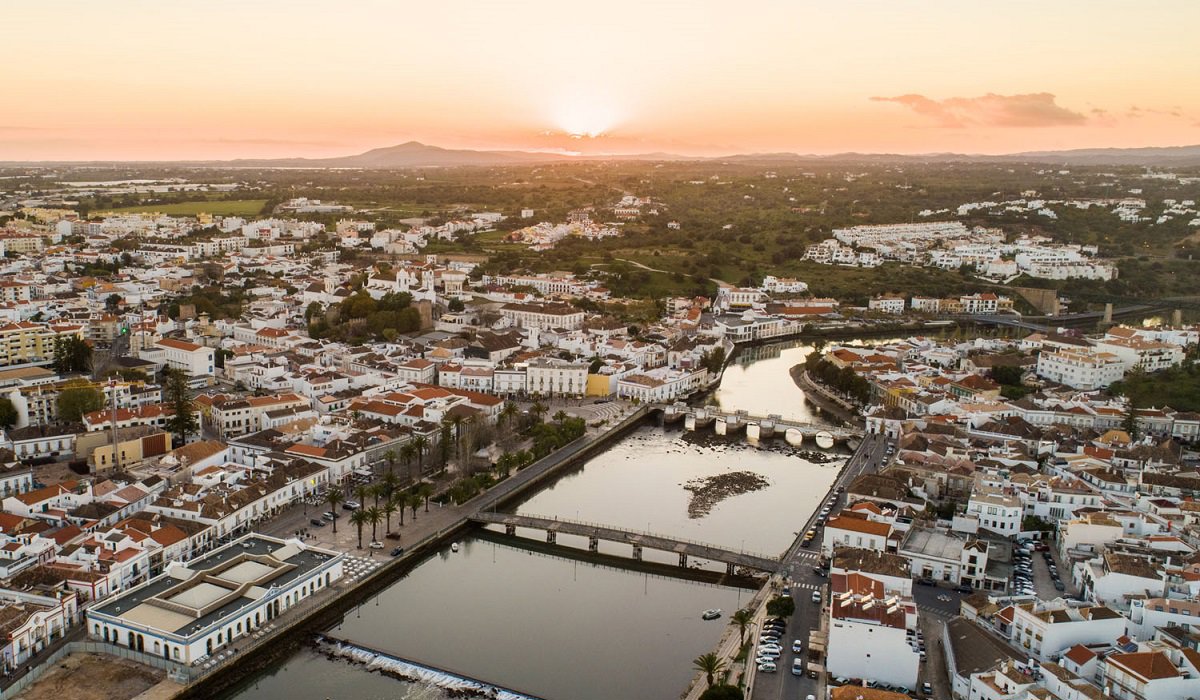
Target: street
{"type": "Point", "coordinates": [799, 563]}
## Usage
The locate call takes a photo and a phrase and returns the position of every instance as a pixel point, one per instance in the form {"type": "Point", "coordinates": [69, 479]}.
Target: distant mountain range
{"type": "Point", "coordinates": [414, 154]}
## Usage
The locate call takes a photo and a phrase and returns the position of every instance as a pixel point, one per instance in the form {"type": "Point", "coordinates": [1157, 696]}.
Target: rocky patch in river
{"type": "Point", "coordinates": [711, 490]}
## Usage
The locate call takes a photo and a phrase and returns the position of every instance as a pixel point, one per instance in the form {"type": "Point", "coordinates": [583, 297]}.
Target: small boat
{"type": "Point", "coordinates": [711, 614]}
{"type": "Point", "coordinates": [454, 547]}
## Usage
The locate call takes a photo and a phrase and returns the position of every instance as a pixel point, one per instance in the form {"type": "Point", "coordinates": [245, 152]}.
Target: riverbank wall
{"type": "Point", "coordinates": [829, 403]}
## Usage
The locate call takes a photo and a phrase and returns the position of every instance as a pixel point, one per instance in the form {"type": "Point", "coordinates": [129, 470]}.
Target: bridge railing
{"type": "Point", "coordinates": [647, 533]}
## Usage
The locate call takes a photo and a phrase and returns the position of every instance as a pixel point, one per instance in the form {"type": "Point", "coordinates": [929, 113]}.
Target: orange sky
{"type": "Point", "coordinates": [264, 78]}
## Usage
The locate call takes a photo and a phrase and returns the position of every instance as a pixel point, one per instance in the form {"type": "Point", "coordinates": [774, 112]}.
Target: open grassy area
{"type": "Point", "coordinates": [233, 207]}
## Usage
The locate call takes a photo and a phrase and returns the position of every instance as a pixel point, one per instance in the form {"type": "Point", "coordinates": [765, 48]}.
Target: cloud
{"type": "Point", "coordinates": [1034, 109]}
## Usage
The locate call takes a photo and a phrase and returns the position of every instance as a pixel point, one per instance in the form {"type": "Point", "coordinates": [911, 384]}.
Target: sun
{"type": "Point", "coordinates": [585, 117]}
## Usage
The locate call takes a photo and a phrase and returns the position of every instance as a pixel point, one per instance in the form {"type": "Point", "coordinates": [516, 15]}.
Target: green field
{"type": "Point", "coordinates": [233, 207]}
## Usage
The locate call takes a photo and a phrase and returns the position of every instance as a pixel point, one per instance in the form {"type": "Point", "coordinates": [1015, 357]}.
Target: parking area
{"type": "Point", "coordinates": [1036, 572]}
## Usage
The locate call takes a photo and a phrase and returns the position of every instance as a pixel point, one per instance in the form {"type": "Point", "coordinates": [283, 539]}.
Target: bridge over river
{"type": "Point", "coordinates": [638, 540]}
{"type": "Point", "coordinates": [756, 427]}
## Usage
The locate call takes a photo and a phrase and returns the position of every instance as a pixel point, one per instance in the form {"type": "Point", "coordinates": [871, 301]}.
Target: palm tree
{"type": "Point", "coordinates": [399, 500]}
{"type": "Point", "coordinates": [390, 456]}
{"type": "Point", "coordinates": [538, 409]}
{"type": "Point", "coordinates": [419, 444]}
{"type": "Point", "coordinates": [414, 502]}
{"type": "Point", "coordinates": [388, 486]}
{"type": "Point", "coordinates": [424, 491]}
{"type": "Point", "coordinates": [407, 451]}
{"type": "Point", "coordinates": [376, 492]}
{"type": "Point", "coordinates": [389, 509]}
{"type": "Point", "coordinates": [374, 516]}
{"type": "Point", "coordinates": [456, 421]}
{"type": "Point", "coordinates": [361, 494]}
{"type": "Point", "coordinates": [709, 664]}
{"type": "Point", "coordinates": [359, 518]}
{"type": "Point", "coordinates": [334, 498]}
{"type": "Point", "coordinates": [742, 619]}
{"type": "Point", "coordinates": [560, 416]}
{"type": "Point", "coordinates": [509, 412]}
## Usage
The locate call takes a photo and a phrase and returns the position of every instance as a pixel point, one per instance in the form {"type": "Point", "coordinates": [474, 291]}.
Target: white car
{"type": "Point", "coordinates": [375, 544]}
{"type": "Point", "coordinates": [797, 647]}
{"type": "Point", "coordinates": [816, 597]}
{"type": "Point", "coordinates": [797, 667]}
{"type": "Point", "coordinates": [767, 667]}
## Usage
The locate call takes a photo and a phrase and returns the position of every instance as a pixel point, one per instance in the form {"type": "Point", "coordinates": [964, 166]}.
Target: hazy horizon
{"type": "Point", "coordinates": [138, 80]}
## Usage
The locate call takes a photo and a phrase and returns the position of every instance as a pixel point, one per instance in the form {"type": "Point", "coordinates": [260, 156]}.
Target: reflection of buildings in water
{"type": "Point", "coordinates": [750, 355]}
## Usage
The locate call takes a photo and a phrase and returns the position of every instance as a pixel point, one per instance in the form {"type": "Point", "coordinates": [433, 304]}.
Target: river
{"type": "Point", "coordinates": [566, 629]}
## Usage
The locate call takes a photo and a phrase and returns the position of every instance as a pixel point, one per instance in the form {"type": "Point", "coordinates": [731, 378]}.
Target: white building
{"type": "Point", "coordinates": [1047, 629]}
{"type": "Point", "coordinates": [887, 304]}
{"type": "Point", "coordinates": [660, 384]}
{"type": "Point", "coordinates": [1081, 368]}
{"type": "Point", "coordinates": [554, 377]}
{"type": "Point", "coordinates": [867, 632]}
{"type": "Point", "coordinates": [193, 610]}
{"type": "Point", "coordinates": [195, 360]}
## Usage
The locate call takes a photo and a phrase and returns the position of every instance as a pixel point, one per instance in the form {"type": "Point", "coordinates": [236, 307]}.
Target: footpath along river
{"type": "Point", "coordinates": [564, 629]}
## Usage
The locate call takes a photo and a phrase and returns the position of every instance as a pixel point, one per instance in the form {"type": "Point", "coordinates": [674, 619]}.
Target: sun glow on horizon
{"type": "Point", "coordinates": [585, 116]}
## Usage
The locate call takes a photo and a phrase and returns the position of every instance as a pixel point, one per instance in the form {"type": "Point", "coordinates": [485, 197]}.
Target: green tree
{"type": "Point", "coordinates": [8, 414]}
{"type": "Point", "coordinates": [359, 519]}
{"type": "Point", "coordinates": [742, 618]}
{"type": "Point", "coordinates": [78, 397]}
{"type": "Point", "coordinates": [389, 509]}
{"type": "Point", "coordinates": [375, 516]}
{"type": "Point", "coordinates": [390, 458]}
{"type": "Point", "coordinates": [419, 444]}
{"type": "Point", "coordinates": [781, 606]}
{"type": "Point", "coordinates": [425, 492]}
{"type": "Point", "coordinates": [72, 354]}
{"type": "Point", "coordinates": [334, 498]}
{"type": "Point", "coordinates": [710, 665]}
{"type": "Point", "coordinates": [538, 409]}
{"type": "Point", "coordinates": [183, 421]}
{"type": "Point", "coordinates": [1129, 423]}
{"type": "Point", "coordinates": [456, 305]}
{"type": "Point", "coordinates": [723, 692]}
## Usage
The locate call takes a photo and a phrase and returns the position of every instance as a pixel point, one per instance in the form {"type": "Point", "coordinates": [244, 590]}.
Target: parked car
{"type": "Point", "coordinates": [767, 667]}
{"type": "Point", "coordinates": [927, 689]}
{"type": "Point", "coordinates": [816, 597]}
{"type": "Point", "coordinates": [797, 667]}
{"type": "Point", "coordinates": [926, 581]}
{"type": "Point", "coordinates": [351, 505]}
{"type": "Point", "coordinates": [797, 647]}
{"type": "Point", "coordinates": [316, 522]}
{"type": "Point", "coordinates": [375, 544]}
{"type": "Point", "coordinates": [1059, 586]}
{"type": "Point", "coordinates": [964, 588]}
{"type": "Point", "coordinates": [397, 551]}
{"type": "Point", "coordinates": [329, 515]}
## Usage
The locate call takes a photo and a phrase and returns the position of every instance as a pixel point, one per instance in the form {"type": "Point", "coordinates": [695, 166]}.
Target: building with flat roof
{"type": "Point", "coordinates": [197, 607]}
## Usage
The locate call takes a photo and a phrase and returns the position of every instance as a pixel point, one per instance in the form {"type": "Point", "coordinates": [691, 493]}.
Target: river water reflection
{"type": "Point", "coordinates": [565, 629]}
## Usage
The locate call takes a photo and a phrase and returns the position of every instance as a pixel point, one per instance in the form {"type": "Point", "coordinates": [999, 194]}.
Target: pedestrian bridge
{"type": "Point", "coordinates": [756, 427]}
{"type": "Point", "coordinates": [733, 559]}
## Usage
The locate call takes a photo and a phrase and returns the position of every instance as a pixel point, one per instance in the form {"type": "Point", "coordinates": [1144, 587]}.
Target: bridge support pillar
{"type": "Point", "coordinates": [637, 552]}
{"type": "Point", "coordinates": [510, 530]}
{"type": "Point", "coordinates": [682, 559]}
{"type": "Point", "coordinates": [593, 544]}
{"type": "Point", "coordinates": [551, 536]}
{"type": "Point", "coordinates": [730, 569]}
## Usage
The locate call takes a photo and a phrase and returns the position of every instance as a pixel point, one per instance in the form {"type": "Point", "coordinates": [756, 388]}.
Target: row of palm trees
{"type": "Point", "coordinates": [712, 665]}
{"type": "Point", "coordinates": [389, 499]}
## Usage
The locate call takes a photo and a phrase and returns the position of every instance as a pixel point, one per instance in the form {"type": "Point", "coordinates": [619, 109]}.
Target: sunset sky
{"type": "Point", "coordinates": [172, 79]}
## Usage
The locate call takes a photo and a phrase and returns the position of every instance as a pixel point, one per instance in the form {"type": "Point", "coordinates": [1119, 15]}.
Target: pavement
{"type": "Point", "coordinates": [797, 569]}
